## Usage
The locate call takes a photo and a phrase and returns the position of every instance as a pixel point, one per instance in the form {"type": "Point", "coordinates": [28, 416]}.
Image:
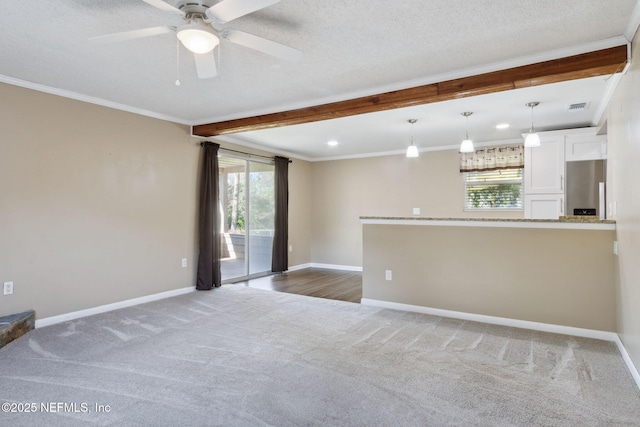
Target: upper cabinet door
{"type": "Point", "coordinates": [585, 146]}
{"type": "Point", "coordinates": [544, 166]}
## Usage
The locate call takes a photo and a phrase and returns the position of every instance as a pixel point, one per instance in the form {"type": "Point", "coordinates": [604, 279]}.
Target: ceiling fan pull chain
{"type": "Point", "coordinates": [219, 63]}
{"type": "Point", "coordinates": [177, 62]}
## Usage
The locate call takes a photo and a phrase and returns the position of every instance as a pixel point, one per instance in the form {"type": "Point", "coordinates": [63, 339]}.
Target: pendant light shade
{"type": "Point", "coordinates": [412, 150]}
{"type": "Point", "coordinates": [532, 139]}
{"type": "Point", "coordinates": [467, 144]}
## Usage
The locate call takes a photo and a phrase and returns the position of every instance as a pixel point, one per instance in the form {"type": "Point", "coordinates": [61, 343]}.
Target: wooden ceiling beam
{"type": "Point", "coordinates": [601, 62]}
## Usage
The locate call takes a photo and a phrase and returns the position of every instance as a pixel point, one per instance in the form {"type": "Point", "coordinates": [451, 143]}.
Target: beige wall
{"type": "Point", "coordinates": [300, 212]}
{"type": "Point", "coordinates": [99, 206]}
{"type": "Point", "coordinates": [623, 123]}
{"type": "Point", "coordinates": [96, 206]}
{"type": "Point", "coordinates": [344, 190]}
{"type": "Point", "coordinates": [540, 275]}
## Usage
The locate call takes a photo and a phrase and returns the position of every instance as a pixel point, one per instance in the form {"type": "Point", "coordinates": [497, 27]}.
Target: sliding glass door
{"type": "Point", "coordinates": [247, 205]}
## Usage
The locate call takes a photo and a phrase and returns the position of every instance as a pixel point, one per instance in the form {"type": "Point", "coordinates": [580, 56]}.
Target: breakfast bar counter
{"type": "Point", "coordinates": [567, 222]}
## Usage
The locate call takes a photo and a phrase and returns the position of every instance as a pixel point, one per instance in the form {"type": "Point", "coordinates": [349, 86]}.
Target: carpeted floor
{"type": "Point", "coordinates": [240, 356]}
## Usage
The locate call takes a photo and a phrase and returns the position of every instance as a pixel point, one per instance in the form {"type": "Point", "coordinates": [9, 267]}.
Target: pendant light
{"type": "Point", "coordinates": [467, 144]}
{"type": "Point", "coordinates": [532, 139]}
{"type": "Point", "coordinates": [412, 150]}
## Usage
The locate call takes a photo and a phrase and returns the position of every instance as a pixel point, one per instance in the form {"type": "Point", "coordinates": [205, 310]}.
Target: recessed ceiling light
{"type": "Point", "coordinates": [332, 143]}
{"type": "Point", "coordinates": [502, 125]}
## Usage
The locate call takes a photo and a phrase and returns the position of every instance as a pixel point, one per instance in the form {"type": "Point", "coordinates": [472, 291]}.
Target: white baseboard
{"type": "Point", "coordinates": [627, 359]}
{"type": "Point", "coordinates": [337, 266]}
{"type": "Point", "coordinates": [300, 267]}
{"type": "Point", "coordinates": [522, 324]}
{"type": "Point", "coordinates": [47, 321]}
{"type": "Point", "coordinates": [328, 266]}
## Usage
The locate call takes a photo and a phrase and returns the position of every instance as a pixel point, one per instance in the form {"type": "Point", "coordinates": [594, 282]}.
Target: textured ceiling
{"type": "Point", "coordinates": [352, 48]}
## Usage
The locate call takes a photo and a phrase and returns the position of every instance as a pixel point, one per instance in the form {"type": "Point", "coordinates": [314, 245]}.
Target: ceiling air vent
{"type": "Point", "coordinates": [578, 106]}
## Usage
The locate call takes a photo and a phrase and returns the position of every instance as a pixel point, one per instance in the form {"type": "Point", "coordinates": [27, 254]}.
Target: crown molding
{"type": "Point", "coordinates": [90, 99]}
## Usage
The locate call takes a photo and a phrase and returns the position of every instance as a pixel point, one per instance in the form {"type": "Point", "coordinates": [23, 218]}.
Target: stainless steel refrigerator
{"type": "Point", "coordinates": [585, 181]}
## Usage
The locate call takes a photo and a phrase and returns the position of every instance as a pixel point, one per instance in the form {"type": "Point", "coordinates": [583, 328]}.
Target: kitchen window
{"type": "Point", "coordinates": [497, 189]}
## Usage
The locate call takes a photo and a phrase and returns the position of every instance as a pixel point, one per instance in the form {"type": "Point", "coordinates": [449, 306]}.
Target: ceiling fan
{"type": "Point", "coordinates": [203, 30]}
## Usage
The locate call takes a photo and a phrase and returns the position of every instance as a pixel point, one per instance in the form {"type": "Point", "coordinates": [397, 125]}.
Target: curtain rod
{"type": "Point", "coordinates": [202, 144]}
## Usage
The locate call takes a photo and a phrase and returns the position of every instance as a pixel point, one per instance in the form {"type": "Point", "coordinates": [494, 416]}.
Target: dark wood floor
{"type": "Point", "coordinates": [313, 282]}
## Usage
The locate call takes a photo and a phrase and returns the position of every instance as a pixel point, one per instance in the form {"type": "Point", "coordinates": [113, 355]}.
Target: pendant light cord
{"type": "Point", "coordinates": [412, 132]}
{"type": "Point", "coordinates": [412, 121]}
{"type": "Point", "coordinates": [466, 132]}
{"type": "Point", "coordinates": [532, 105]}
{"type": "Point", "coordinates": [531, 130]}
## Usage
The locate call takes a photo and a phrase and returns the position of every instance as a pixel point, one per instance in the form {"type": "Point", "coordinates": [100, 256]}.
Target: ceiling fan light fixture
{"type": "Point", "coordinates": [197, 38]}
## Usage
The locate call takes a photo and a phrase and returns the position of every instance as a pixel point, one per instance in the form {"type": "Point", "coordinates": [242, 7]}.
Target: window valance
{"type": "Point", "coordinates": [492, 158]}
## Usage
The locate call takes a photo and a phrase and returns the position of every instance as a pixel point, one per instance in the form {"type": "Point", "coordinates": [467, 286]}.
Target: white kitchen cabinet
{"type": "Point", "coordinates": [544, 166]}
{"type": "Point", "coordinates": [544, 169]}
{"type": "Point", "coordinates": [585, 146]}
{"type": "Point", "coordinates": [543, 206]}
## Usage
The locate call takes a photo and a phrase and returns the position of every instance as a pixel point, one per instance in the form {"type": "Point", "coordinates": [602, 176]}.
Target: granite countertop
{"type": "Point", "coordinates": [561, 220]}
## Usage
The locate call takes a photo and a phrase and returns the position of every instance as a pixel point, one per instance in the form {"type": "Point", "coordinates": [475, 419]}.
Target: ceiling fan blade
{"type": "Point", "coordinates": [206, 65]}
{"type": "Point", "coordinates": [130, 35]}
{"type": "Point", "coordinates": [228, 10]}
{"type": "Point", "coordinates": [159, 4]}
{"type": "Point", "coordinates": [263, 45]}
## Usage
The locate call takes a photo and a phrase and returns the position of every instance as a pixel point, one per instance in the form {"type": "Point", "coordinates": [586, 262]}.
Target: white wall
{"type": "Point", "coordinates": [623, 124]}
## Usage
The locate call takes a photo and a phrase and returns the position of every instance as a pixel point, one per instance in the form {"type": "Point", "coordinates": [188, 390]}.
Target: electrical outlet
{"type": "Point", "coordinates": [387, 275]}
{"type": "Point", "coordinates": [416, 211]}
{"type": "Point", "coordinates": [184, 262]}
{"type": "Point", "coordinates": [8, 288]}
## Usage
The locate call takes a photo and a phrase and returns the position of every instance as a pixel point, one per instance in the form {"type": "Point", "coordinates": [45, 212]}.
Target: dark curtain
{"type": "Point", "coordinates": [280, 255]}
{"type": "Point", "coordinates": [209, 221]}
